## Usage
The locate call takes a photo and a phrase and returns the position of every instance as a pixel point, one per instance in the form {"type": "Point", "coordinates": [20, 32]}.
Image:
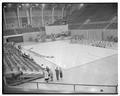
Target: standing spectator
{"type": "Point", "coordinates": [46, 76]}
{"type": "Point", "coordinates": [47, 68]}
{"type": "Point", "coordinates": [51, 75]}
{"type": "Point", "coordinates": [57, 73]}
{"type": "Point", "coordinates": [61, 73]}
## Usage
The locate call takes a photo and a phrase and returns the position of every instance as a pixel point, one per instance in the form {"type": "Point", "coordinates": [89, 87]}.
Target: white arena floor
{"type": "Point", "coordinates": [69, 55]}
{"type": "Point", "coordinates": [82, 64]}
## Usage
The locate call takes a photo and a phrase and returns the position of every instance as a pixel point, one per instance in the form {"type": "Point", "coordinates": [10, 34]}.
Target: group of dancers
{"type": "Point", "coordinates": [48, 74]}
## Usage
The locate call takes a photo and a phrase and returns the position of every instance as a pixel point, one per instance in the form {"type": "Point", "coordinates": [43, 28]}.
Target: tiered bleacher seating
{"type": "Point", "coordinates": [33, 64]}
{"type": "Point", "coordinates": [29, 68]}
{"type": "Point", "coordinates": [94, 26]}
{"type": "Point", "coordinates": [11, 66]}
{"type": "Point", "coordinates": [94, 12]}
{"type": "Point", "coordinates": [22, 30]}
{"type": "Point", "coordinates": [75, 26]}
{"type": "Point", "coordinates": [113, 26]}
{"type": "Point", "coordinates": [23, 67]}
{"type": "Point", "coordinates": [16, 66]}
{"type": "Point", "coordinates": [29, 29]}
{"type": "Point", "coordinates": [106, 15]}
{"type": "Point", "coordinates": [8, 32]}
{"type": "Point", "coordinates": [86, 17]}
{"type": "Point", "coordinates": [7, 68]}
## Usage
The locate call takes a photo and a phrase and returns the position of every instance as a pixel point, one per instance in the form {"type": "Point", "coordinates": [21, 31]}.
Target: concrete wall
{"type": "Point", "coordinates": [95, 34]}
{"type": "Point", "coordinates": [88, 34]}
{"type": "Point", "coordinates": [33, 35]}
{"type": "Point", "coordinates": [26, 37]}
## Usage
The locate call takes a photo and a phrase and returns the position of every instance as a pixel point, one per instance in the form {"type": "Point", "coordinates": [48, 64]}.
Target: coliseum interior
{"type": "Point", "coordinates": [79, 38]}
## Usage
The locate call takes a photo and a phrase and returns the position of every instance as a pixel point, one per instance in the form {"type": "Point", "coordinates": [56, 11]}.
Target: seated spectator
{"type": "Point", "coordinates": [24, 55]}
{"type": "Point", "coordinates": [31, 58]}
{"type": "Point", "coordinates": [19, 47]}
{"type": "Point", "coordinates": [43, 66]}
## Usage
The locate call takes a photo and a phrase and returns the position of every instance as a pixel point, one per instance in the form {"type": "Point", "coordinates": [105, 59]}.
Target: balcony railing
{"type": "Point", "coordinates": [71, 88]}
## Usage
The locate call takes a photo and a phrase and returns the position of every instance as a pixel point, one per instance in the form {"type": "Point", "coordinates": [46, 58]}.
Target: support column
{"type": "Point", "coordinates": [27, 14]}
{"type": "Point", "coordinates": [63, 12]}
{"type": "Point", "coordinates": [42, 17]}
{"type": "Point", "coordinates": [18, 16]}
{"type": "Point", "coordinates": [4, 18]}
{"type": "Point", "coordinates": [53, 15]}
{"type": "Point", "coordinates": [31, 15]}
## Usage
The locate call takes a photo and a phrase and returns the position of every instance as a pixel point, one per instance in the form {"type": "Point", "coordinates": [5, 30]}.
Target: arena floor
{"type": "Point", "coordinates": [68, 55]}
{"type": "Point", "coordinates": [82, 64]}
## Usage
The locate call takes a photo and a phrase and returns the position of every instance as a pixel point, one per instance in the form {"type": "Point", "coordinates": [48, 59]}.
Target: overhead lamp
{"type": "Point", "coordinates": [23, 4]}
{"type": "Point", "coordinates": [9, 5]}
{"type": "Point", "coordinates": [4, 6]}
{"type": "Point", "coordinates": [69, 5]}
{"type": "Point", "coordinates": [19, 6]}
{"type": "Point", "coordinates": [43, 5]}
{"type": "Point", "coordinates": [27, 5]}
{"type": "Point", "coordinates": [36, 4]}
{"type": "Point", "coordinates": [81, 5]}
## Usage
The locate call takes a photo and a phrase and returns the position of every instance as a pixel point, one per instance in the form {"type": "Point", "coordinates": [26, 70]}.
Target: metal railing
{"type": "Point", "coordinates": [87, 88]}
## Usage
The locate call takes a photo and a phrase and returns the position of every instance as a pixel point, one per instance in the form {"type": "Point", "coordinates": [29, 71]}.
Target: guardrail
{"type": "Point", "coordinates": [79, 88]}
